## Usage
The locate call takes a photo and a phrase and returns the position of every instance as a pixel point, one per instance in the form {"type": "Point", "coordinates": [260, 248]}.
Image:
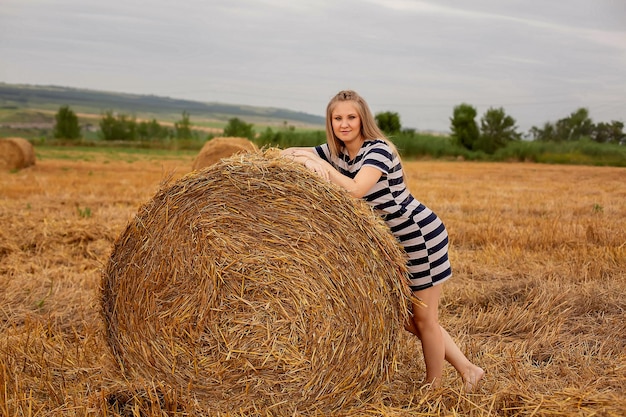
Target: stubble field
{"type": "Point", "coordinates": [538, 296]}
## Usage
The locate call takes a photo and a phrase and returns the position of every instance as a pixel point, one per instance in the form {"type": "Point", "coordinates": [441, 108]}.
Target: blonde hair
{"type": "Point", "coordinates": [369, 128]}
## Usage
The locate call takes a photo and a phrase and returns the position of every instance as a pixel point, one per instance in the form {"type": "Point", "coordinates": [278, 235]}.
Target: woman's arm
{"type": "Point", "coordinates": [309, 158]}
{"type": "Point", "coordinates": [357, 187]}
{"type": "Point", "coordinates": [300, 155]}
{"type": "Point", "coordinates": [296, 150]}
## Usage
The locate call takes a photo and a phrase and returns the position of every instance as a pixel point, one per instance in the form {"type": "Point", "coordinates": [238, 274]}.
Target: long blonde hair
{"type": "Point", "coordinates": [369, 128]}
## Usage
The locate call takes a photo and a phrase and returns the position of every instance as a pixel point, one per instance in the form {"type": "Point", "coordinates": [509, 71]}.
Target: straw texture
{"type": "Point", "coordinates": [16, 153]}
{"type": "Point", "coordinates": [255, 285]}
{"type": "Point", "coordinates": [222, 147]}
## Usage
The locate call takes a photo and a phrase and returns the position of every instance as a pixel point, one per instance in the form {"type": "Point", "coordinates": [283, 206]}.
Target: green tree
{"type": "Point", "coordinates": [183, 127]}
{"type": "Point", "coordinates": [609, 133]}
{"type": "Point", "coordinates": [545, 134]}
{"type": "Point", "coordinates": [66, 126]}
{"type": "Point", "coordinates": [152, 130]}
{"type": "Point", "coordinates": [121, 127]}
{"type": "Point", "coordinates": [388, 122]}
{"type": "Point", "coordinates": [579, 125]}
{"type": "Point", "coordinates": [574, 127]}
{"type": "Point", "coordinates": [464, 127]}
{"type": "Point", "coordinates": [497, 129]}
{"type": "Point", "coordinates": [109, 128]}
{"type": "Point", "coordinates": [239, 128]}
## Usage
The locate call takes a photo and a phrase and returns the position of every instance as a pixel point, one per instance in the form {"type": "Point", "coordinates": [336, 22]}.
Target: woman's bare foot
{"type": "Point", "coordinates": [472, 378]}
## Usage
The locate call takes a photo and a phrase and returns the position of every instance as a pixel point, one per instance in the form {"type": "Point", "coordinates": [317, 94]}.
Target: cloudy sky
{"type": "Point", "coordinates": [538, 59]}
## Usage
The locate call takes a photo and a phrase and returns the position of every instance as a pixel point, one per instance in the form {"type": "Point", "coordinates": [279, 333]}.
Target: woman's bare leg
{"type": "Point", "coordinates": [471, 373]}
{"type": "Point", "coordinates": [426, 322]}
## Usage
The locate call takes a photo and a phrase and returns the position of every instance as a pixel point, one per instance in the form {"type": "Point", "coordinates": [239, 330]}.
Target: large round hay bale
{"type": "Point", "coordinates": [222, 147]}
{"type": "Point", "coordinates": [16, 153]}
{"type": "Point", "coordinates": [253, 284]}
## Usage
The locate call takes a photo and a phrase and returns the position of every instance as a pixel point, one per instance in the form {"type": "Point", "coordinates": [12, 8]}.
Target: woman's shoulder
{"type": "Point", "coordinates": [375, 142]}
{"type": "Point", "coordinates": [322, 148]}
{"type": "Point", "coordinates": [378, 146]}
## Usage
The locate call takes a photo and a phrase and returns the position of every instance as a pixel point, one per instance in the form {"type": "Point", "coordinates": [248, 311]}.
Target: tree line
{"type": "Point", "coordinates": [497, 129]}
{"type": "Point", "coordinates": [494, 131]}
{"type": "Point", "coordinates": [122, 127]}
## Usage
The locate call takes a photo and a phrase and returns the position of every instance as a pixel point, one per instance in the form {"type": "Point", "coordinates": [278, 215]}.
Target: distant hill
{"type": "Point", "coordinates": [20, 96]}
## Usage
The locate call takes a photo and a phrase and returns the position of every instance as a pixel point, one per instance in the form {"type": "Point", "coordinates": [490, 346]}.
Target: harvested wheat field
{"type": "Point", "coordinates": [538, 296]}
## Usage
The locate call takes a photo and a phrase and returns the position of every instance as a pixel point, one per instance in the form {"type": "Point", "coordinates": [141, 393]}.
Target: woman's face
{"type": "Point", "coordinates": [346, 122]}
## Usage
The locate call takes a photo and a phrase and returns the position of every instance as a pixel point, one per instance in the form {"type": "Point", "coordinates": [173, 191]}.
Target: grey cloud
{"type": "Point", "coordinates": [536, 59]}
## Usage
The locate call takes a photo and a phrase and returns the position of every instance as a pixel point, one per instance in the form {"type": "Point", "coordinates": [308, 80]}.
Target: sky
{"type": "Point", "coordinates": [539, 60]}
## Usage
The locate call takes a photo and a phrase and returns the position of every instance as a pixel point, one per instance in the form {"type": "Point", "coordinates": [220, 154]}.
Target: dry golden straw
{"type": "Point", "coordinates": [255, 285]}
{"type": "Point", "coordinates": [16, 153]}
{"type": "Point", "coordinates": [222, 147]}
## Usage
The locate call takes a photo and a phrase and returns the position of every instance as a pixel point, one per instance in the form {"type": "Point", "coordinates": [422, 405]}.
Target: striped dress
{"type": "Point", "coordinates": [419, 230]}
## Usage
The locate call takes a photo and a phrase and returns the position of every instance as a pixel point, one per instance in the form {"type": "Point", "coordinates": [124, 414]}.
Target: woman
{"type": "Point", "coordinates": [358, 157]}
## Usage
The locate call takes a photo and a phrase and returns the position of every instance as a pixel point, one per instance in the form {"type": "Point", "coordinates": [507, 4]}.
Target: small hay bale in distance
{"type": "Point", "coordinates": [222, 147]}
{"type": "Point", "coordinates": [16, 153]}
{"type": "Point", "coordinates": [255, 284]}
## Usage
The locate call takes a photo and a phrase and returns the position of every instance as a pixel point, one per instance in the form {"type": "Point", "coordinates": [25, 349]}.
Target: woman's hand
{"type": "Point", "coordinates": [307, 157]}
{"type": "Point", "coordinates": [318, 168]}
{"type": "Point", "coordinates": [295, 152]}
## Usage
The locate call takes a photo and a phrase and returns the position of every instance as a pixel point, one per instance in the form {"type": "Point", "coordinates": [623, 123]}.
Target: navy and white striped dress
{"type": "Point", "coordinates": [419, 230]}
